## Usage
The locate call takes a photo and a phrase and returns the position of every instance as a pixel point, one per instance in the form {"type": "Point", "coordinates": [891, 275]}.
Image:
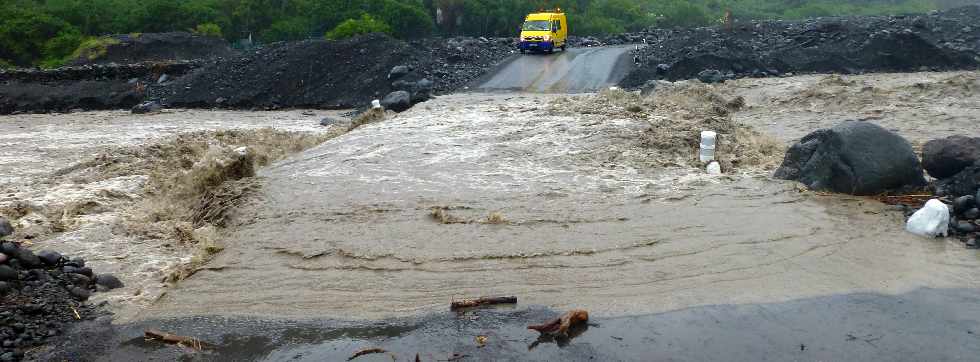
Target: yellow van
{"type": "Point", "coordinates": [544, 31]}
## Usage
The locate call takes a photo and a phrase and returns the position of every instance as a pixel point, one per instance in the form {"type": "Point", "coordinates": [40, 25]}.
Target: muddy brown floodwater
{"type": "Point", "coordinates": [363, 240]}
{"type": "Point", "coordinates": [52, 200]}
{"type": "Point", "coordinates": [564, 211]}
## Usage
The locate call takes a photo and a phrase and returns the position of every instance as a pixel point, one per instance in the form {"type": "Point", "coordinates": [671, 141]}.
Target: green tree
{"type": "Point", "coordinates": [287, 29]}
{"type": "Point", "coordinates": [363, 25]}
{"type": "Point", "coordinates": [406, 20]}
{"type": "Point", "coordinates": [27, 36]}
{"type": "Point", "coordinates": [208, 29]}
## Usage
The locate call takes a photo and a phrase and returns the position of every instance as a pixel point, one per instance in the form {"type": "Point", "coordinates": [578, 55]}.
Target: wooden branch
{"type": "Point", "coordinates": [367, 351]}
{"type": "Point", "coordinates": [174, 339]}
{"type": "Point", "coordinates": [468, 303]}
{"type": "Point", "coordinates": [561, 324]}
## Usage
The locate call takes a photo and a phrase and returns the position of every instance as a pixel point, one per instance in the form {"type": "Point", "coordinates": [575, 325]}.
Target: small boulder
{"type": "Point", "coordinates": [76, 262]}
{"type": "Point", "coordinates": [965, 227]}
{"type": "Point", "coordinates": [147, 107]}
{"type": "Point", "coordinates": [5, 227]}
{"type": "Point", "coordinates": [397, 101]}
{"type": "Point", "coordinates": [78, 270]}
{"type": "Point", "coordinates": [965, 182]}
{"type": "Point", "coordinates": [948, 156]}
{"type": "Point", "coordinates": [3, 258]}
{"type": "Point", "coordinates": [49, 257]}
{"type": "Point", "coordinates": [80, 294]}
{"type": "Point", "coordinates": [5, 288]}
{"type": "Point", "coordinates": [422, 91]}
{"type": "Point", "coordinates": [79, 280]}
{"type": "Point", "coordinates": [27, 258]}
{"type": "Point", "coordinates": [7, 273]}
{"type": "Point", "coordinates": [8, 248]}
{"type": "Point", "coordinates": [328, 121]}
{"type": "Point", "coordinates": [398, 72]}
{"type": "Point", "coordinates": [963, 203]}
{"type": "Point", "coordinates": [971, 214]}
{"type": "Point", "coordinates": [711, 76]}
{"type": "Point", "coordinates": [853, 157]}
{"type": "Point", "coordinates": [109, 281]}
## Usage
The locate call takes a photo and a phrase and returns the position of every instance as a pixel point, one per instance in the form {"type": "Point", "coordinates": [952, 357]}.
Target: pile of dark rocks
{"type": "Point", "coordinates": [850, 45]}
{"type": "Point", "coordinates": [339, 74]}
{"type": "Point", "coordinates": [41, 295]}
{"type": "Point", "coordinates": [85, 87]}
{"type": "Point", "coordinates": [454, 63]}
{"type": "Point", "coordinates": [955, 163]}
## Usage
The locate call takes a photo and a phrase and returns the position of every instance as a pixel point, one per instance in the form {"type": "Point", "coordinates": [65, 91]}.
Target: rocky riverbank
{"type": "Point", "coordinates": [42, 294]}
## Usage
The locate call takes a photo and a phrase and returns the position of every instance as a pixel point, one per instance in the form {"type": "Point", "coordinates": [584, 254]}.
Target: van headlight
{"type": "Point", "coordinates": [547, 38]}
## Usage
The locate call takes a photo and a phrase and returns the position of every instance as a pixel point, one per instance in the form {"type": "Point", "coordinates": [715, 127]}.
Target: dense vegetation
{"type": "Point", "coordinates": [48, 32]}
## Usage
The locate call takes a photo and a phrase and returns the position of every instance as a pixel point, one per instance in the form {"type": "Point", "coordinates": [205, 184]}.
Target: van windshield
{"type": "Point", "coordinates": [537, 25]}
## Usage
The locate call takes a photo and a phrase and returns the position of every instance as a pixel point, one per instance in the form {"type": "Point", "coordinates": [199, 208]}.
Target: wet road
{"type": "Point", "coordinates": [922, 325]}
{"type": "Point", "coordinates": [576, 70]}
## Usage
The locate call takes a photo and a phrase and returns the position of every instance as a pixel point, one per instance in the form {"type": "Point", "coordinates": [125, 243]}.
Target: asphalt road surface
{"type": "Point", "coordinates": [576, 70]}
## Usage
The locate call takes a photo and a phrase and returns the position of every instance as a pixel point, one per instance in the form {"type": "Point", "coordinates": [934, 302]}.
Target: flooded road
{"type": "Point", "coordinates": [576, 70]}
{"type": "Point", "coordinates": [364, 240]}
{"type": "Point", "coordinates": [563, 211]}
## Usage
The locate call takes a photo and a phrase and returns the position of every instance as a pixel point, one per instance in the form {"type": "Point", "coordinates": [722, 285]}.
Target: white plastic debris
{"type": "Point", "coordinates": [614, 88]}
{"type": "Point", "coordinates": [376, 104]}
{"type": "Point", "coordinates": [714, 168]}
{"type": "Point", "coordinates": [707, 152]}
{"type": "Point", "coordinates": [931, 220]}
{"type": "Point", "coordinates": [242, 151]}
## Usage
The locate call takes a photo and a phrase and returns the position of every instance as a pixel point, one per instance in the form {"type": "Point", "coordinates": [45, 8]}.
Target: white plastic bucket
{"type": "Point", "coordinates": [375, 104]}
{"type": "Point", "coordinates": [708, 142]}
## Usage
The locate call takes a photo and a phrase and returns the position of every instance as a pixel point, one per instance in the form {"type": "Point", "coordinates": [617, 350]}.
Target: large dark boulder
{"type": "Point", "coordinates": [948, 156]}
{"type": "Point", "coordinates": [397, 101]}
{"type": "Point", "coordinates": [853, 157]}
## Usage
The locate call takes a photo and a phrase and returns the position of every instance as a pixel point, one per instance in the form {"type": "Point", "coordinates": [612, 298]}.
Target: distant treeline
{"type": "Point", "coordinates": [49, 32]}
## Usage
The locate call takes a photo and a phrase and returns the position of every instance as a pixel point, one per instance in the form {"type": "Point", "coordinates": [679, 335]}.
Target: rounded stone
{"type": "Point", "coordinates": [80, 294]}
{"type": "Point", "coordinates": [963, 203]}
{"type": "Point", "coordinates": [7, 273]}
{"type": "Point", "coordinates": [49, 257]}
{"type": "Point", "coordinates": [109, 281]}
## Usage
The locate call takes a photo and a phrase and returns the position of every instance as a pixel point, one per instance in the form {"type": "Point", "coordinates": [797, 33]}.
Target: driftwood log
{"type": "Point", "coordinates": [174, 339]}
{"type": "Point", "coordinates": [560, 325]}
{"type": "Point", "coordinates": [368, 351]}
{"type": "Point", "coordinates": [468, 303]}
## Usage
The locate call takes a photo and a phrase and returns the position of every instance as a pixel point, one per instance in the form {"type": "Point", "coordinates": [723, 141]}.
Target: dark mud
{"type": "Point", "coordinates": [924, 324]}
{"type": "Point", "coordinates": [158, 47]}
{"type": "Point", "coordinates": [937, 41]}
